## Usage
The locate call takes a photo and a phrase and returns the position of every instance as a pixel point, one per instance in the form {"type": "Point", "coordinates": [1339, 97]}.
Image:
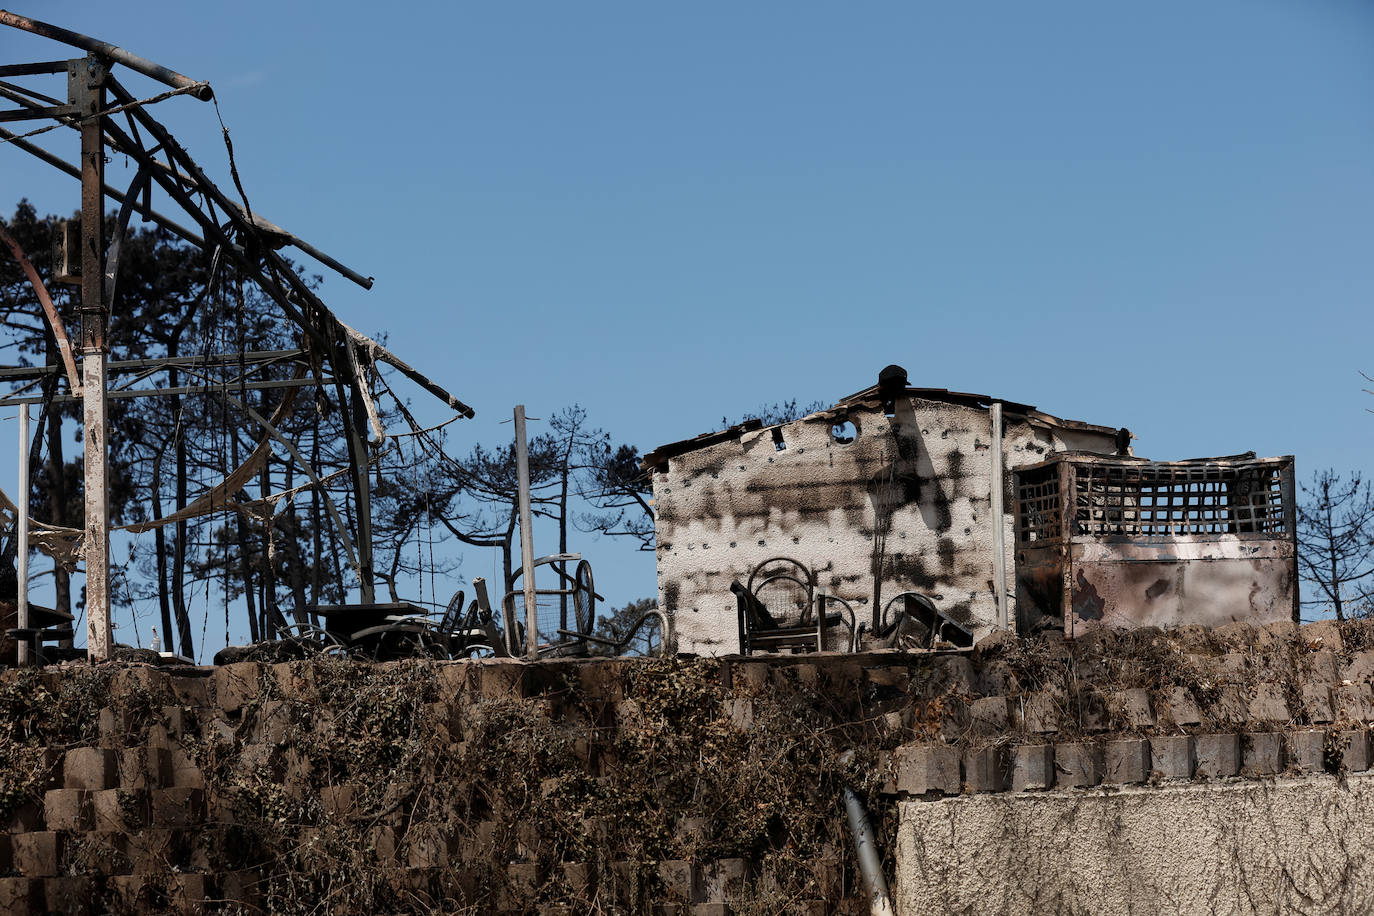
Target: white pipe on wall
{"type": "Point", "coordinates": [999, 545]}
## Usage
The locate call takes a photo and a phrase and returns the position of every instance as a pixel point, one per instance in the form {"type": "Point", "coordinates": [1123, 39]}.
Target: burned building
{"type": "Point", "coordinates": [894, 489]}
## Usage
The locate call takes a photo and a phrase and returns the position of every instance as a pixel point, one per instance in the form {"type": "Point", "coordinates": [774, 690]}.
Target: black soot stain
{"type": "Point", "coordinates": [1087, 603]}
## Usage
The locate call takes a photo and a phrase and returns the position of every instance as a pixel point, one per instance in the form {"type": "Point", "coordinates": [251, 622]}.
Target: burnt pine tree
{"type": "Point", "coordinates": [1336, 541]}
{"type": "Point", "coordinates": [619, 489]}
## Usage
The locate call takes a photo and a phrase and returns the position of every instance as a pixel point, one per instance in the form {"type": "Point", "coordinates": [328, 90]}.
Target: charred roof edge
{"type": "Point", "coordinates": [659, 457]}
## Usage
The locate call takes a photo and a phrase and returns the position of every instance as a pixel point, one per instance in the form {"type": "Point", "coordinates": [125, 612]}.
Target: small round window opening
{"type": "Point", "coordinates": [844, 433]}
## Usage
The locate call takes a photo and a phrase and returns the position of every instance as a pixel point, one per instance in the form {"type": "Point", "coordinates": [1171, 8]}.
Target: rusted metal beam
{"type": "Point", "coordinates": [115, 53]}
{"type": "Point", "coordinates": [64, 346]}
{"type": "Point", "coordinates": [256, 358]}
{"type": "Point", "coordinates": [25, 96]}
{"type": "Point", "coordinates": [34, 69]}
{"type": "Point", "coordinates": [35, 112]}
{"type": "Point", "coordinates": [120, 395]}
{"type": "Point", "coordinates": [379, 353]}
{"type": "Point", "coordinates": [86, 87]}
{"type": "Point", "coordinates": [295, 241]}
{"type": "Point", "coordinates": [64, 166]}
{"type": "Point", "coordinates": [299, 288]}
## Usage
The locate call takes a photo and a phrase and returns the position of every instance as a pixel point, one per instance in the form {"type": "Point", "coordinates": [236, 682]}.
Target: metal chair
{"type": "Point", "coordinates": [578, 586]}
{"type": "Point", "coordinates": [931, 625]}
{"type": "Point", "coordinates": [762, 631]}
{"type": "Point", "coordinates": [666, 643]}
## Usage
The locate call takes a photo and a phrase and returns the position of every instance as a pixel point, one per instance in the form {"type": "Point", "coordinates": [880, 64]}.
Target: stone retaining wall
{"type": "Point", "coordinates": [679, 786]}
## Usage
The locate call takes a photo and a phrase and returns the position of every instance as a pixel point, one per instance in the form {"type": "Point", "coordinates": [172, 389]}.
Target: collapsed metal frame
{"type": "Point", "coordinates": [228, 229]}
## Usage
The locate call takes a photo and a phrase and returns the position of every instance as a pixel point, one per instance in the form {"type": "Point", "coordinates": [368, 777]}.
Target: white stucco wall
{"type": "Point", "coordinates": [1243, 847]}
{"type": "Point", "coordinates": [911, 496]}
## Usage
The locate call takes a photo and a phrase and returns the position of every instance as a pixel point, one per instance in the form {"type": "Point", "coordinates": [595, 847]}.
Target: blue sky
{"type": "Point", "coordinates": [1154, 215]}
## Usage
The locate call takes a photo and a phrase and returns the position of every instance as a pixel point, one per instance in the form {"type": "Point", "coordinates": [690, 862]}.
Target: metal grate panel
{"type": "Point", "coordinates": [1177, 499]}
{"type": "Point", "coordinates": [1038, 505]}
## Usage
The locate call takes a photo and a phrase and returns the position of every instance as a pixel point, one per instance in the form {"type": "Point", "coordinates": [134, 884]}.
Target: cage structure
{"type": "Point", "coordinates": [1123, 542]}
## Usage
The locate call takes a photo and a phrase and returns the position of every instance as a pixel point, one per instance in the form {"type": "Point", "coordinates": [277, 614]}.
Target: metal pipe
{"type": "Point", "coordinates": [522, 468]}
{"type": "Point", "coordinates": [999, 546]}
{"type": "Point", "coordinates": [22, 552]}
{"type": "Point", "coordinates": [866, 851]}
{"type": "Point", "coordinates": [113, 52]}
{"type": "Point", "coordinates": [255, 358]}
{"type": "Point", "coordinates": [125, 393]}
{"type": "Point", "coordinates": [292, 239]}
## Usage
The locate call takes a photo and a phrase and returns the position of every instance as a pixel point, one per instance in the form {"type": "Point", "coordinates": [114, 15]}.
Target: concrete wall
{"type": "Point", "coordinates": [1252, 847]}
{"type": "Point", "coordinates": [905, 506]}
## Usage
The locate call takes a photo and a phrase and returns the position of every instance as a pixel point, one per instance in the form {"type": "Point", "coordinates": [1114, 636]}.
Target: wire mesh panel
{"type": "Point", "coordinates": [1038, 504]}
{"type": "Point", "coordinates": [1174, 499]}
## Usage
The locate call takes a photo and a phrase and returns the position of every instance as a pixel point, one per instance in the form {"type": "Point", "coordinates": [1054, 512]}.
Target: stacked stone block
{"type": "Point", "coordinates": [135, 818]}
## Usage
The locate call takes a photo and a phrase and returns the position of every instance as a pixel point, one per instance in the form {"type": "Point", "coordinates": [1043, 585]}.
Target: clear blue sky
{"type": "Point", "coordinates": [1153, 215]}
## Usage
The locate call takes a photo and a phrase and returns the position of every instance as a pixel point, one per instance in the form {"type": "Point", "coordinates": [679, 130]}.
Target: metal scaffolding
{"type": "Point", "coordinates": [96, 103]}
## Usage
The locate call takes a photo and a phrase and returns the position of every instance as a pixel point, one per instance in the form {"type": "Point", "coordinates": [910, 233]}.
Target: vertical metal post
{"type": "Point", "coordinates": [822, 599]}
{"type": "Point", "coordinates": [522, 470]}
{"type": "Point", "coordinates": [86, 88]}
{"type": "Point", "coordinates": [999, 537]}
{"type": "Point", "coordinates": [22, 523]}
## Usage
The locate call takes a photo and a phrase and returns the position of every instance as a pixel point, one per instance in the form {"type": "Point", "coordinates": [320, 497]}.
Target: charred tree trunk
{"type": "Point", "coordinates": [295, 559]}
{"type": "Point", "coordinates": [272, 618]}
{"type": "Point", "coordinates": [183, 617]}
{"type": "Point", "coordinates": [1334, 560]}
{"type": "Point", "coordinates": [245, 555]}
{"type": "Point", "coordinates": [316, 546]}
{"type": "Point", "coordinates": [164, 601]}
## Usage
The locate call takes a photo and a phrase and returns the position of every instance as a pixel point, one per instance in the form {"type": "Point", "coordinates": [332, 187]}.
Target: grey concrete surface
{"type": "Point", "coordinates": [1235, 847]}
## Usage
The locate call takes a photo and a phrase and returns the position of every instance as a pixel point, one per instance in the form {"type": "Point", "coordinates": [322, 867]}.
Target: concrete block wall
{"type": "Point", "coordinates": [555, 786]}
{"type": "Point", "coordinates": [1153, 708]}
{"type": "Point", "coordinates": [164, 797]}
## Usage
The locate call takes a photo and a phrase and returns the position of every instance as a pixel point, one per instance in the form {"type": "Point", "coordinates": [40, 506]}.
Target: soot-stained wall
{"type": "Point", "coordinates": [906, 505]}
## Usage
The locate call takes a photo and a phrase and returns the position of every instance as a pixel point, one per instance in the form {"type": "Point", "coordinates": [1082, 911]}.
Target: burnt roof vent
{"type": "Point", "coordinates": [892, 378]}
{"type": "Point", "coordinates": [891, 382]}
